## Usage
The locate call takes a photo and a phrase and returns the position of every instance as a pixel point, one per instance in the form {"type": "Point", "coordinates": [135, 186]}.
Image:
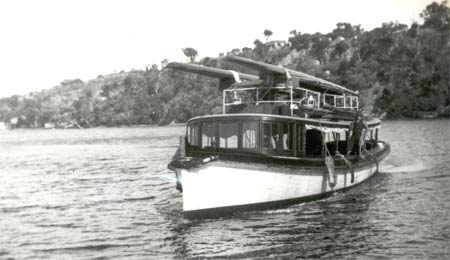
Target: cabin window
{"type": "Point", "coordinates": [313, 98]}
{"type": "Point", "coordinates": [288, 137]}
{"type": "Point", "coordinates": [250, 135]}
{"type": "Point", "coordinates": [311, 101]}
{"type": "Point", "coordinates": [194, 135]}
{"type": "Point", "coordinates": [300, 96]}
{"type": "Point", "coordinates": [282, 97]}
{"type": "Point", "coordinates": [351, 102]}
{"type": "Point", "coordinates": [348, 101]}
{"type": "Point", "coordinates": [228, 133]}
{"type": "Point", "coordinates": [278, 136]}
{"type": "Point", "coordinates": [329, 100]}
{"type": "Point", "coordinates": [300, 134]}
{"type": "Point", "coordinates": [270, 135]}
{"type": "Point", "coordinates": [354, 102]}
{"type": "Point", "coordinates": [339, 101]}
{"type": "Point", "coordinates": [209, 137]}
{"type": "Point", "coordinates": [308, 98]}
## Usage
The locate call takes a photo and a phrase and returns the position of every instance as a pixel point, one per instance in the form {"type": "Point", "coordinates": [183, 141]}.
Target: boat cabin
{"type": "Point", "coordinates": [279, 113]}
{"type": "Point", "coordinates": [261, 135]}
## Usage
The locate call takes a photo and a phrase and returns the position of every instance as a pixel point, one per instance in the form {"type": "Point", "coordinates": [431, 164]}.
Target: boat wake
{"type": "Point", "coordinates": [410, 167]}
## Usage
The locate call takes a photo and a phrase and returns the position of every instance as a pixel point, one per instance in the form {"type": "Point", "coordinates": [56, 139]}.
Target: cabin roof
{"type": "Point", "coordinates": [316, 122]}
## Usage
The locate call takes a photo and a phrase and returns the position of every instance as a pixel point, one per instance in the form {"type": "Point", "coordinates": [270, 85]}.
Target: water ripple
{"type": "Point", "coordinates": [107, 194]}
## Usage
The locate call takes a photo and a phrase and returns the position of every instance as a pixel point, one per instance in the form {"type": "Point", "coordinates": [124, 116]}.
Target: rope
{"type": "Point", "coordinates": [349, 165]}
{"type": "Point", "coordinates": [362, 148]}
{"type": "Point", "coordinates": [362, 144]}
{"type": "Point", "coordinates": [329, 162]}
{"type": "Point", "coordinates": [372, 157]}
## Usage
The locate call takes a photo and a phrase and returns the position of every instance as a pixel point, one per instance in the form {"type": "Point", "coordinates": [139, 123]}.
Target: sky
{"type": "Point", "coordinates": [45, 42]}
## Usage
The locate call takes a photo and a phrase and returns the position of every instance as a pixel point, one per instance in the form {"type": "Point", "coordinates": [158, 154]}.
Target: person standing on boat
{"type": "Point", "coordinates": [359, 127]}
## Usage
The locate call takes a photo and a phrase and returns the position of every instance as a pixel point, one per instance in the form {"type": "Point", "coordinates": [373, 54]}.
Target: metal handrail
{"type": "Point", "coordinates": [318, 98]}
{"type": "Point", "coordinates": [291, 89]}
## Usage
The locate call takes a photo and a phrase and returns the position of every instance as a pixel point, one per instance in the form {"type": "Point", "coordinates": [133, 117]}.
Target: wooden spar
{"type": "Point", "coordinates": [209, 71]}
{"type": "Point", "coordinates": [227, 77]}
{"type": "Point", "coordinates": [302, 77]}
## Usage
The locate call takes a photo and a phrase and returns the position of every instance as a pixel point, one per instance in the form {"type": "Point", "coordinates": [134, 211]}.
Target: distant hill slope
{"type": "Point", "coordinates": [400, 71]}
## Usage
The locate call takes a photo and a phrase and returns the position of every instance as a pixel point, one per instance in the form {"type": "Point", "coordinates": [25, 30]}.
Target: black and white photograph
{"type": "Point", "coordinates": [291, 129]}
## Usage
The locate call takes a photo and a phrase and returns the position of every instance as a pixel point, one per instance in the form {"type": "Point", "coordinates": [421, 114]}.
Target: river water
{"type": "Point", "coordinates": [106, 193]}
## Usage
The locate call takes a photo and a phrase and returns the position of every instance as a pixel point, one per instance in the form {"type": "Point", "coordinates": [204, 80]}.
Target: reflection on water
{"type": "Point", "coordinates": [107, 194]}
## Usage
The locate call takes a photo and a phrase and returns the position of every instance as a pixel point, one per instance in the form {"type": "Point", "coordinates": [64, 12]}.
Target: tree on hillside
{"type": "Point", "coordinates": [164, 63]}
{"type": "Point", "coordinates": [84, 107]}
{"type": "Point", "coordinates": [414, 64]}
{"type": "Point", "coordinates": [340, 48]}
{"type": "Point", "coordinates": [267, 34]}
{"type": "Point", "coordinates": [437, 16]}
{"type": "Point", "coordinates": [260, 50]}
{"type": "Point", "coordinates": [346, 30]}
{"type": "Point", "coordinates": [148, 106]}
{"type": "Point", "coordinates": [319, 46]}
{"type": "Point", "coordinates": [191, 53]}
{"type": "Point", "coordinates": [300, 41]}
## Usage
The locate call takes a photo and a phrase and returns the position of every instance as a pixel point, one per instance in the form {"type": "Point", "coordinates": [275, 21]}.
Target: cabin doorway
{"type": "Point", "coordinates": [313, 142]}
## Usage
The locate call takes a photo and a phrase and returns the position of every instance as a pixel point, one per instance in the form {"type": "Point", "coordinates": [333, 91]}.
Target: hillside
{"type": "Point", "coordinates": [401, 71]}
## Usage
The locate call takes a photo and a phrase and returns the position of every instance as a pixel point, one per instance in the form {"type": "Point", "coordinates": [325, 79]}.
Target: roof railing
{"type": "Point", "coordinates": [295, 97]}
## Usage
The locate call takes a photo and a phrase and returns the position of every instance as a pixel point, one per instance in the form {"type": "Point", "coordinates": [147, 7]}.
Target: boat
{"type": "Point", "coordinates": [283, 137]}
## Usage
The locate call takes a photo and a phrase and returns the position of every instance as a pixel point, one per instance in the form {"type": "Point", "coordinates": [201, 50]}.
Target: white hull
{"type": "Point", "coordinates": [219, 185]}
